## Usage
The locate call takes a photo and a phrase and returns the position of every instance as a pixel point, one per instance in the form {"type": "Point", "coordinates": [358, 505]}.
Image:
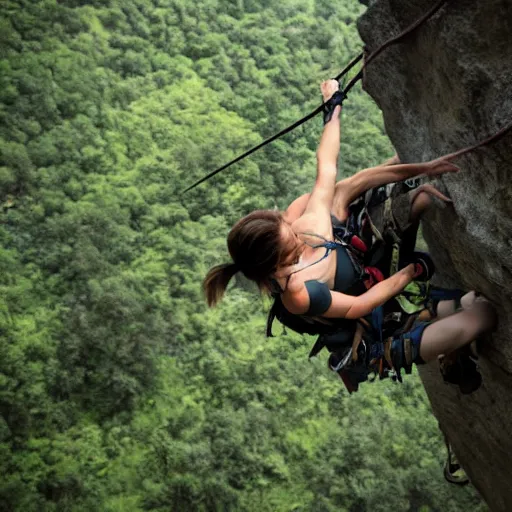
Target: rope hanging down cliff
{"type": "Point", "coordinates": [328, 104]}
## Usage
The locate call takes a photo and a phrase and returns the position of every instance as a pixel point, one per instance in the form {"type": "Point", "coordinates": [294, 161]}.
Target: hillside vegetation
{"type": "Point", "coordinates": [119, 389]}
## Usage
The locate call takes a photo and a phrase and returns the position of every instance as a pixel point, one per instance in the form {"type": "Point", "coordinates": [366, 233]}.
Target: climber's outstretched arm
{"type": "Point", "coordinates": [316, 209]}
{"type": "Point", "coordinates": [351, 188]}
{"type": "Point", "coordinates": [320, 199]}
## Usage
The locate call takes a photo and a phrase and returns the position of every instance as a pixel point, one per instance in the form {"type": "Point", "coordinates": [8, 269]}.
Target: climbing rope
{"type": "Point", "coordinates": [493, 138]}
{"type": "Point", "coordinates": [345, 91]}
{"type": "Point", "coordinates": [324, 107]}
{"type": "Point", "coordinates": [277, 135]}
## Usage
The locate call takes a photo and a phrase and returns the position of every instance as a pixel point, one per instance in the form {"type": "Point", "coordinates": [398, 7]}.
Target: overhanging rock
{"type": "Point", "coordinates": [446, 87]}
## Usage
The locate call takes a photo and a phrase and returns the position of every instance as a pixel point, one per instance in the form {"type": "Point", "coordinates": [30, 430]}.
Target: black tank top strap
{"type": "Point", "coordinates": [349, 273]}
{"type": "Point", "coordinates": [349, 277]}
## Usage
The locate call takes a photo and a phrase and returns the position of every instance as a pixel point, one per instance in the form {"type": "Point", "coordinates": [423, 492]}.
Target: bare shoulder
{"type": "Point", "coordinates": [311, 224]}
{"type": "Point", "coordinates": [296, 297]}
{"type": "Point", "coordinates": [296, 208]}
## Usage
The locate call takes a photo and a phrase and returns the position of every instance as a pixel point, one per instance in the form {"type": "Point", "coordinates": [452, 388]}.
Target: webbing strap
{"type": "Point", "coordinates": [378, 320]}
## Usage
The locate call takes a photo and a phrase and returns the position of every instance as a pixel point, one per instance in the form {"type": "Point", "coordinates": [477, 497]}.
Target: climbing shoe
{"type": "Point", "coordinates": [452, 471]}
{"type": "Point", "coordinates": [423, 265]}
{"type": "Point", "coordinates": [461, 369]}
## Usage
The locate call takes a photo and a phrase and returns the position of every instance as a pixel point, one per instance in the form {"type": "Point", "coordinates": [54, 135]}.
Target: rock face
{"type": "Point", "coordinates": [445, 87]}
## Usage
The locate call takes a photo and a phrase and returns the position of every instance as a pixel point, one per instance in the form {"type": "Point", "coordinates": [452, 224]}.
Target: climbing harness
{"type": "Point", "coordinates": [385, 342]}
{"type": "Point", "coordinates": [383, 345]}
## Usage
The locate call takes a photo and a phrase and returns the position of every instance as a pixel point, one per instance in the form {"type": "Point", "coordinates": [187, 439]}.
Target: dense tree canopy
{"type": "Point", "coordinates": [119, 389]}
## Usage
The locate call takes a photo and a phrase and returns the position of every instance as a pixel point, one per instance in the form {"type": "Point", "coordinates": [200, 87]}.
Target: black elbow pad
{"type": "Point", "coordinates": [320, 298]}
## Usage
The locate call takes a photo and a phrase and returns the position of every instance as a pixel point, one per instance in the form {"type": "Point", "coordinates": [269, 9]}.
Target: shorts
{"type": "Point", "coordinates": [414, 335]}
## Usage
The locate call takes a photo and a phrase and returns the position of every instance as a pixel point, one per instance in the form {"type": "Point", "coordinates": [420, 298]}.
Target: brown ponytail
{"type": "Point", "coordinates": [216, 282]}
{"type": "Point", "coordinates": [257, 249]}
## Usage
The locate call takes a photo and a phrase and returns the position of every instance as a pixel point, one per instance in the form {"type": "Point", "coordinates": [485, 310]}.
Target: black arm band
{"type": "Point", "coordinates": [320, 298]}
{"type": "Point", "coordinates": [336, 99]}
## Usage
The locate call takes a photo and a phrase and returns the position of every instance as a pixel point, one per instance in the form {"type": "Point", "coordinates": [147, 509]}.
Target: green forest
{"type": "Point", "coordinates": [119, 389]}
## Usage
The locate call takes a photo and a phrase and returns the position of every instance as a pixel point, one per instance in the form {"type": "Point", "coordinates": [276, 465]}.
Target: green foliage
{"type": "Point", "coordinates": [119, 389]}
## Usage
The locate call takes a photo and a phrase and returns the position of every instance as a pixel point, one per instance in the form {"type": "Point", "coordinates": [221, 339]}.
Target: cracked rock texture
{"type": "Point", "coordinates": [445, 87]}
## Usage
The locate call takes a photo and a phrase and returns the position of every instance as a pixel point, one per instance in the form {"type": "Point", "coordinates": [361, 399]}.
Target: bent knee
{"type": "Point", "coordinates": [422, 200]}
{"type": "Point", "coordinates": [480, 318]}
{"type": "Point", "coordinates": [419, 205]}
{"type": "Point", "coordinates": [467, 300]}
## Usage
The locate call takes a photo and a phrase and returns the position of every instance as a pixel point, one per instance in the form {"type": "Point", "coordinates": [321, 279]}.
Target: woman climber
{"type": "Point", "coordinates": [296, 254]}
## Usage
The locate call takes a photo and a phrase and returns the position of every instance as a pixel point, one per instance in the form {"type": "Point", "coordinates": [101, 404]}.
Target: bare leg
{"type": "Point", "coordinates": [457, 330]}
{"type": "Point", "coordinates": [445, 308]}
{"type": "Point", "coordinates": [448, 307]}
{"type": "Point", "coordinates": [421, 199]}
{"type": "Point", "coordinates": [420, 203]}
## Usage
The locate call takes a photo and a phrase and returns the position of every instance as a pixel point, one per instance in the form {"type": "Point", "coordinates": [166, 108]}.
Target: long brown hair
{"type": "Point", "coordinates": [257, 249]}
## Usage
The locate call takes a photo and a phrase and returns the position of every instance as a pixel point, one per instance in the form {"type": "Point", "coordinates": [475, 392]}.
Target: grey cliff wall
{"type": "Point", "coordinates": [444, 88]}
